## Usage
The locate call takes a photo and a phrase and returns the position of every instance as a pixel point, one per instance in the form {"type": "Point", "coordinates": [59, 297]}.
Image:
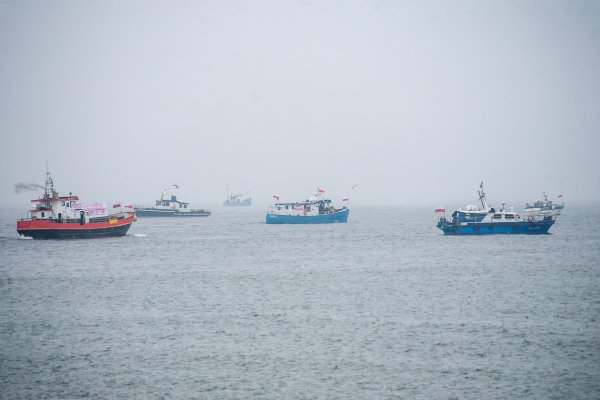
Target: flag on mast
{"type": "Point", "coordinates": [440, 209]}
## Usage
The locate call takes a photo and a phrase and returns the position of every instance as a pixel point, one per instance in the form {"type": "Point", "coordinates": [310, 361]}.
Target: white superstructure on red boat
{"type": "Point", "coordinates": [65, 217]}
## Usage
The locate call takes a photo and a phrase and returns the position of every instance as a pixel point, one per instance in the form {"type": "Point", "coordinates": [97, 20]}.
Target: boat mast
{"type": "Point", "coordinates": [482, 197]}
{"type": "Point", "coordinates": [48, 187]}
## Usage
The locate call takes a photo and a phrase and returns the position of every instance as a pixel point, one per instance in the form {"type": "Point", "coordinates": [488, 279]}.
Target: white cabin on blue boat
{"type": "Point", "coordinates": [488, 220]}
{"type": "Point", "coordinates": [315, 210]}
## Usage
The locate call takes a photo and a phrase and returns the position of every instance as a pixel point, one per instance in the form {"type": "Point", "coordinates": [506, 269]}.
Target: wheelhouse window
{"type": "Point", "coordinates": [509, 216]}
{"type": "Point", "coordinates": [497, 216]}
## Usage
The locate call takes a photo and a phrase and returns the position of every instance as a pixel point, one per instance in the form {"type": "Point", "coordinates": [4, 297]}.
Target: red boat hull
{"type": "Point", "coordinates": [54, 229]}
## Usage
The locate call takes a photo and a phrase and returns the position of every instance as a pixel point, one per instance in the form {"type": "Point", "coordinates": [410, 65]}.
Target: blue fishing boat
{"type": "Point", "coordinates": [488, 220]}
{"type": "Point", "coordinates": [315, 210]}
{"type": "Point", "coordinates": [238, 200]}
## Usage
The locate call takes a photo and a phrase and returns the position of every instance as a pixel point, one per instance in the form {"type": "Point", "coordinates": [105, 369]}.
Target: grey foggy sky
{"type": "Point", "coordinates": [416, 102]}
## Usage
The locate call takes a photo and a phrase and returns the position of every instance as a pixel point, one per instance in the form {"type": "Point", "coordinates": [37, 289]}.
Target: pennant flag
{"type": "Point", "coordinates": [321, 190]}
{"type": "Point", "coordinates": [440, 209]}
{"type": "Point", "coordinates": [345, 199]}
{"type": "Point", "coordinates": [276, 197]}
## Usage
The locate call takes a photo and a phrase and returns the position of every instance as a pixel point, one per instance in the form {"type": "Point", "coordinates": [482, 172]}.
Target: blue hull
{"type": "Point", "coordinates": [514, 228]}
{"type": "Point", "coordinates": [335, 217]}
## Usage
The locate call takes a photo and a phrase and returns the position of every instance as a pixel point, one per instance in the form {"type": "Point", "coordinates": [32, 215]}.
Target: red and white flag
{"type": "Point", "coordinates": [118, 205]}
{"type": "Point", "coordinates": [321, 190]}
{"type": "Point", "coordinates": [440, 209]}
{"type": "Point", "coordinates": [129, 206]}
{"type": "Point", "coordinates": [276, 197]}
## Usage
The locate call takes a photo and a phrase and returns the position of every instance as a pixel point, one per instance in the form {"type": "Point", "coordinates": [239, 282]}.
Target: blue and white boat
{"type": "Point", "coordinates": [238, 200]}
{"type": "Point", "coordinates": [169, 207]}
{"type": "Point", "coordinates": [488, 220]}
{"type": "Point", "coordinates": [315, 210]}
{"type": "Point", "coordinates": [544, 206]}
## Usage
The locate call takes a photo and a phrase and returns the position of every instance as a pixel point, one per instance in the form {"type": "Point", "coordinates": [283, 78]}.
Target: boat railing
{"type": "Point", "coordinates": [135, 206]}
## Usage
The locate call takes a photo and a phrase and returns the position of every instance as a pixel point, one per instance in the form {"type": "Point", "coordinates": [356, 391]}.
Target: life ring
{"type": "Point", "coordinates": [34, 218]}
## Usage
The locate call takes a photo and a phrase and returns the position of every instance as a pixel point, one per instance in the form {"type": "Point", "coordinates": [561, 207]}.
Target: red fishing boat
{"type": "Point", "coordinates": [65, 217]}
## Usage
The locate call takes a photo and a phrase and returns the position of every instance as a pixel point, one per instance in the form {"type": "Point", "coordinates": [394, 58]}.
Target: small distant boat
{"type": "Point", "coordinates": [238, 200]}
{"type": "Point", "coordinates": [64, 217]}
{"type": "Point", "coordinates": [545, 206]}
{"type": "Point", "coordinates": [169, 206]}
{"type": "Point", "coordinates": [315, 210]}
{"type": "Point", "coordinates": [488, 220]}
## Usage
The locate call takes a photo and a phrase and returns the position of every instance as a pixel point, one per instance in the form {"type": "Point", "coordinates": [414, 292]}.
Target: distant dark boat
{"type": "Point", "coordinates": [488, 220]}
{"type": "Point", "coordinates": [64, 217]}
{"type": "Point", "coordinates": [169, 207]}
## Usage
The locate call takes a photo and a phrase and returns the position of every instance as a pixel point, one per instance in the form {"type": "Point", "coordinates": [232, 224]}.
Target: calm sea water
{"type": "Point", "coordinates": [226, 307]}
